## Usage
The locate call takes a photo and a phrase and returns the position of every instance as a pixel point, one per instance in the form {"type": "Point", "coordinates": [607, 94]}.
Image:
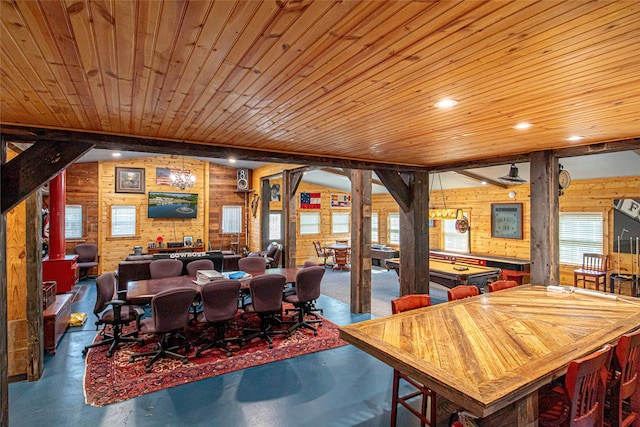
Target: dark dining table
{"type": "Point", "coordinates": [141, 291]}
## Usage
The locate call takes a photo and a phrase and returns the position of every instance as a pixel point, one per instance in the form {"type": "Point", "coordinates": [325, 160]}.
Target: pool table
{"type": "Point", "coordinates": [453, 274]}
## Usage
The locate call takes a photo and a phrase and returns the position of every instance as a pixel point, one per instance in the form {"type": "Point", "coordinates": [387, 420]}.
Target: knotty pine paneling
{"type": "Point", "coordinates": [16, 288]}
{"type": "Point", "coordinates": [82, 189]}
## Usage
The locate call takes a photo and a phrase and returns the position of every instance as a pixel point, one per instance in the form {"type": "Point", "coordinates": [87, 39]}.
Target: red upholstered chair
{"type": "Point", "coordinates": [593, 270]}
{"type": "Point", "coordinates": [161, 268]}
{"type": "Point", "coordinates": [580, 402]}
{"type": "Point", "coordinates": [623, 391]}
{"type": "Point", "coordinates": [502, 284]}
{"type": "Point", "coordinates": [462, 291]}
{"type": "Point", "coordinates": [406, 303]}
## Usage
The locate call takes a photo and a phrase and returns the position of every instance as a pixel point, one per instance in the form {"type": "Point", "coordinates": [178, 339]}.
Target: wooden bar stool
{"type": "Point", "coordinates": [593, 270]}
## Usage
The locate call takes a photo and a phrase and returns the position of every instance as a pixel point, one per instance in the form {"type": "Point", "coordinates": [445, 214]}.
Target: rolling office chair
{"type": "Point", "coordinates": [88, 257]}
{"type": "Point", "coordinates": [161, 268]}
{"type": "Point", "coordinates": [266, 302]}
{"type": "Point", "coordinates": [220, 306]}
{"type": "Point", "coordinates": [307, 290]}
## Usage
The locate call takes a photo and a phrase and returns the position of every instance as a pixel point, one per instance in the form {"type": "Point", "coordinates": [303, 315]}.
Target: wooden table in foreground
{"type": "Point", "coordinates": [453, 274]}
{"type": "Point", "coordinates": [141, 291]}
{"type": "Point", "coordinates": [491, 353]}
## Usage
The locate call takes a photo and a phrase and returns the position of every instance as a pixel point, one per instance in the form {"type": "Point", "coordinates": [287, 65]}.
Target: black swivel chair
{"type": "Point", "coordinates": [170, 315]}
{"type": "Point", "coordinates": [113, 312]}
{"type": "Point", "coordinates": [266, 302]}
{"type": "Point", "coordinates": [220, 306]}
{"type": "Point", "coordinates": [88, 257]}
{"type": "Point", "coordinates": [307, 290]}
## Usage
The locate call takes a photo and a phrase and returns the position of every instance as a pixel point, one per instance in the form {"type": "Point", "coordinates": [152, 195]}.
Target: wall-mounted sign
{"type": "Point", "coordinates": [506, 220]}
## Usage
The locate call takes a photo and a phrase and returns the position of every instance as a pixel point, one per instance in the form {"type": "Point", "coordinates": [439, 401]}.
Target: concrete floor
{"type": "Point", "coordinates": [338, 387]}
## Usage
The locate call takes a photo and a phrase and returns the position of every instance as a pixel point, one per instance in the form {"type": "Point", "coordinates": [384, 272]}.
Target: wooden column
{"type": "Point", "coordinates": [414, 238]}
{"type": "Point", "coordinates": [411, 191]}
{"type": "Point", "coordinates": [4, 342]}
{"type": "Point", "coordinates": [265, 194]}
{"type": "Point", "coordinates": [360, 241]}
{"type": "Point", "coordinates": [545, 239]}
{"type": "Point", "coordinates": [35, 356]}
{"type": "Point", "coordinates": [290, 182]}
{"type": "Point", "coordinates": [57, 206]}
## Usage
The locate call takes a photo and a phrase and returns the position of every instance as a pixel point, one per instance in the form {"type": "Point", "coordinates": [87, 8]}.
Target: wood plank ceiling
{"type": "Point", "coordinates": [345, 79]}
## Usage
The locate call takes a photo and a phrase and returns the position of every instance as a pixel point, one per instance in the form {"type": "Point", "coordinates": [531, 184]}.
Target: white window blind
{"type": "Point", "coordinates": [580, 233]}
{"type": "Point", "coordinates": [394, 228]}
{"type": "Point", "coordinates": [340, 222]}
{"type": "Point", "coordinates": [374, 227]}
{"type": "Point", "coordinates": [275, 226]}
{"type": "Point", "coordinates": [231, 219]}
{"type": "Point", "coordinates": [73, 222]}
{"type": "Point", "coordinates": [309, 222]}
{"type": "Point", "coordinates": [454, 241]}
{"type": "Point", "coordinates": [123, 221]}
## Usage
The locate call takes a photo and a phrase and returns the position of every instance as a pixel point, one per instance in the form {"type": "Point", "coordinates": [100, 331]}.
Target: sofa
{"type": "Point", "coordinates": [272, 254]}
{"type": "Point", "coordinates": [136, 267]}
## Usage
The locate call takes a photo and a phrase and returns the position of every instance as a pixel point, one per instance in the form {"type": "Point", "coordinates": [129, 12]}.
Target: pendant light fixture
{"type": "Point", "coordinates": [183, 179]}
{"type": "Point", "coordinates": [512, 177]}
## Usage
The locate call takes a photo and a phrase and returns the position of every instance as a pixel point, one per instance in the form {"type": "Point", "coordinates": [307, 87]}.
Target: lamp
{"type": "Point", "coordinates": [182, 179]}
{"type": "Point", "coordinates": [512, 177]}
{"type": "Point", "coordinates": [443, 213]}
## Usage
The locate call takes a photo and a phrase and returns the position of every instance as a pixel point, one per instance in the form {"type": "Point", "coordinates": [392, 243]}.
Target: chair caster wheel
{"type": "Point", "coordinates": [130, 359]}
{"type": "Point", "coordinates": [184, 361]}
{"type": "Point", "coordinates": [315, 333]}
{"type": "Point", "coordinates": [84, 352]}
{"type": "Point", "coordinates": [148, 369]}
{"type": "Point", "coordinates": [229, 354]}
{"type": "Point", "coordinates": [270, 345]}
{"type": "Point", "coordinates": [109, 354]}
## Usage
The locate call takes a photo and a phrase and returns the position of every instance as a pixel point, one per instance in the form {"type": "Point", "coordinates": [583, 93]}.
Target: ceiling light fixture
{"type": "Point", "coordinates": [446, 103]}
{"type": "Point", "coordinates": [183, 178]}
{"type": "Point", "coordinates": [522, 126]}
{"type": "Point", "coordinates": [116, 154]}
{"type": "Point", "coordinates": [232, 160]}
{"type": "Point", "coordinates": [512, 177]}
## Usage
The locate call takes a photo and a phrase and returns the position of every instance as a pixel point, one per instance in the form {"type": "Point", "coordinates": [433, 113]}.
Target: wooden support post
{"type": "Point", "coordinates": [545, 239]}
{"type": "Point", "coordinates": [4, 342]}
{"type": "Point", "coordinates": [360, 241]}
{"type": "Point", "coordinates": [414, 238]}
{"type": "Point", "coordinates": [290, 182]}
{"type": "Point", "coordinates": [35, 357]}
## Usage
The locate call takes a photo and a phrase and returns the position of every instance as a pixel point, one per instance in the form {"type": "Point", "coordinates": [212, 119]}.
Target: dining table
{"type": "Point", "coordinates": [141, 291]}
{"type": "Point", "coordinates": [488, 355]}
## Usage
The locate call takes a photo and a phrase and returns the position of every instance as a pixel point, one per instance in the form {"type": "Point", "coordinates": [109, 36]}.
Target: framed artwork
{"type": "Point", "coordinates": [187, 241]}
{"type": "Point", "coordinates": [506, 220]}
{"type": "Point", "coordinates": [275, 193]}
{"type": "Point", "coordinates": [341, 201]}
{"type": "Point", "coordinates": [130, 180]}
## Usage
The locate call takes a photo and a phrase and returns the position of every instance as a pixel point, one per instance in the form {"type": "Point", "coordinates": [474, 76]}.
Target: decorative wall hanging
{"type": "Point", "coordinates": [130, 180]}
{"type": "Point", "coordinates": [341, 201]}
{"type": "Point", "coordinates": [506, 220]}
{"type": "Point", "coordinates": [310, 200]}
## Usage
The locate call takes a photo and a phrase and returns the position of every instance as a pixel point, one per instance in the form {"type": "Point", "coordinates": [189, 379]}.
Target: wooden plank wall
{"type": "Point", "coordinates": [82, 189]}
{"type": "Point", "coordinates": [594, 195]}
{"type": "Point", "coordinates": [18, 344]}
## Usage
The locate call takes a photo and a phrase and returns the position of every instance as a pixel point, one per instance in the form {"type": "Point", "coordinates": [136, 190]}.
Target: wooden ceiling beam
{"type": "Point", "coordinates": [482, 179]}
{"type": "Point", "coordinates": [26, 172]}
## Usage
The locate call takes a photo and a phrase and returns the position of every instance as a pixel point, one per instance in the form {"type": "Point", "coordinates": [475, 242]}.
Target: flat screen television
{"type": "Point", "coordinates": [172, 205]}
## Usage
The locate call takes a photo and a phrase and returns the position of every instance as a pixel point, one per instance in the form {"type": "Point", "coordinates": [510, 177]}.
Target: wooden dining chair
{"type": "Point", "coordinates": [502, 284]}
{"type": "Point", "coordinates": [580, 401]}
{"type": "Point", "coordinates": [322, 252]}
{"type": "Point", "coordinates": [593, 270]}
{"type": "Point", "coordinates": [462, 291]}
{"type": "Point", "coordinates": [623, 390]}
{"type": "Point", "coordinates": [399, 305]}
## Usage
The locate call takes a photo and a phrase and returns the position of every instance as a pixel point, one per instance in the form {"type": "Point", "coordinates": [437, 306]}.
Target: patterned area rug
{"type": "Point", "coordinates": [114, 379]}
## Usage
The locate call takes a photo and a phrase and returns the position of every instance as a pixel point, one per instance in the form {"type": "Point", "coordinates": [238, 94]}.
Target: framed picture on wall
{"type": "Point", "coordinates": [187, 241]}
{"type": "Point", "coordinates": [130, 180]}
{"type": "Point", "coordinates": [506, 220]}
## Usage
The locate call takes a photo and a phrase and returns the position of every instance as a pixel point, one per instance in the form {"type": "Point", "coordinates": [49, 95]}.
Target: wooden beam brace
{"type": "Point", "coordinates": [481, 179]}
{"type": "Point", "coordinates": [33, 167]}
{"type": "Point", "coordinates": [296, 179]}
{"type": "Point", "coordinates": [397, 187]}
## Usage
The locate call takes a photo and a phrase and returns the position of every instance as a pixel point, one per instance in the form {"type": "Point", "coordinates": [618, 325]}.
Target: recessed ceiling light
{"type": "Point", "coordinates": [232, 160]}
{"type": "Point", "coordinates": [446, 103]}
{"type": "Point", "coordinates": [575, 138]}
{"type": "Point", "coordinates": [116, 154]}
{"type": "Point", "coordinates": [484, 183]}
{"type": "Point", "coordinates": [522, 125]}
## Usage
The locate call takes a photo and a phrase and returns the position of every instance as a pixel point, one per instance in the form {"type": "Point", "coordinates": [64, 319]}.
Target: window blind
{"type": "Point", "coordinates": [580, 233]}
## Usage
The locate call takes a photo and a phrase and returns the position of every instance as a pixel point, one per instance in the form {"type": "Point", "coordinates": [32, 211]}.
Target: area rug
{"type": "Point", "coordinates": [114, 379]}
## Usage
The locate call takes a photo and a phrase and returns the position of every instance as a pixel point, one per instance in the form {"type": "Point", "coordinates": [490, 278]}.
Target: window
{"type": "Point", "coordinates": [123, 221]}
{"type": "Point", "coordinates": [394, 228]}
{"type": "Point", "coordinates": [374, 227]}
{"type": "Point", "coordinates": [454, 241]}
{"type": "Point", "coordinates": [579, 233]}
{"type": "Point", "coordinates": [275, 226]}
{"type": "Point", "coordinates": [309, 222]}
{"type": "Point", "coordinates": [340, 222]}
{"type": "Point", "coordinates": [73, 222]}
{"type": "Point", "coordinates": [231, 219]}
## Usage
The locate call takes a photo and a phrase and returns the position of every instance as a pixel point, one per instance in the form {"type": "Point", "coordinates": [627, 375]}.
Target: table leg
{"type": "Point", "coordinates": [527, 410]}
